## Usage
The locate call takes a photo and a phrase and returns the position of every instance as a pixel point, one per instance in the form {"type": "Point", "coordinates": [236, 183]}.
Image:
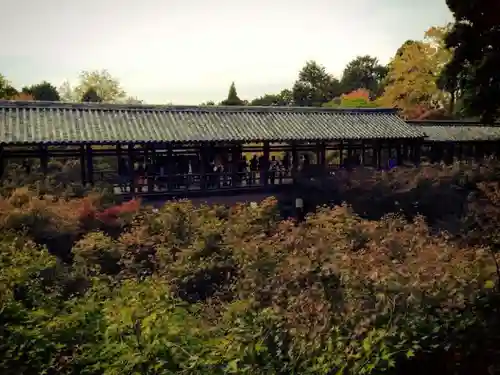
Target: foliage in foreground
{"type": "Point", "coordinates": [199, 290]}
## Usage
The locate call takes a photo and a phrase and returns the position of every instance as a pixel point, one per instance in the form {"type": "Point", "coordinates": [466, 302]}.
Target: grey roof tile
{"type": "Point", "coordinates": [37, 122]}
{"type": "Point", "coordinates": [452, 131]}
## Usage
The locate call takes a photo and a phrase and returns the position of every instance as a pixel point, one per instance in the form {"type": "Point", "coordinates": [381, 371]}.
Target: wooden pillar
{"type": "Point", "coordinates": [322, 153]}
{"type": "Point", "coordinates": [83, 167]}
{"type": "Point", "coordinates": [148, 168]}
{"type": "Point", "coordinates": [90, 164]}
{"type": "Point", "coordinates": [2, 162]}
{"type": "Point", "coordinates": [377, 151]}
{"type": "Point", "coordinates": [341, 153]}
{"type": "Point", "coordinates": [44, 159]}
{"type": "Point", "coordinates": [266, 163]}
{"type": "Point", "coordinates": [235, 162]}
{"type": "Point", "coordinates": [295, 160]}
{"type": "Point", "coordinates": [349, 150]}
{"type": "Point", "coordinates": [203, 162]}
{"type": "Point", "coordinates": [363, 153]}
{"type": "Point", "coordinates": [131, 161]}
{"type": "Point", "coordinates": [399, 156]}
{"type": "Point", "coordinates": [416, 149]}
{"type": "Point", "coordinates": [170, 168]}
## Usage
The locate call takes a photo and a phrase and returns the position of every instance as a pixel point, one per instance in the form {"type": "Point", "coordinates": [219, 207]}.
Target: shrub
{"type": "Point", "coordinates": [369, 287]}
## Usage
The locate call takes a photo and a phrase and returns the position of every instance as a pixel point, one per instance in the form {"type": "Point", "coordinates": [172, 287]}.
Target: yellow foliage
{"type": "Point", "coordinates": [413, 74]}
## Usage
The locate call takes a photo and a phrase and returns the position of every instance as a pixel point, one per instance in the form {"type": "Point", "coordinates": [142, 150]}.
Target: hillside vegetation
{"type": "Point", "coordinates": [401, 279]}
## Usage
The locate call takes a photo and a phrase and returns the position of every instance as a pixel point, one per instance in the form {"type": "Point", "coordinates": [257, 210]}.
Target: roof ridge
{"type": "Point", "coordinates": [159, 107]}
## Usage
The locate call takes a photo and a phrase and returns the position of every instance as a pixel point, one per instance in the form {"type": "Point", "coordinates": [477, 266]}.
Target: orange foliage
{"type": "Point", "coordinates": [358, 94]}
{"type": "Point", "coordinates": [110, 216]}
{"type": "Point", "coordinates": [23, 96]}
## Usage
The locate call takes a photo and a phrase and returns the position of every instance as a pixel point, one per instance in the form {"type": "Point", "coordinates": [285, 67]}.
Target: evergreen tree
{"type": "Point", "coordinates": [90, 96]}
{"type": "Point", "coordinates": [473, 73]}
{"type": "Point", "coordinates": [232, 97]}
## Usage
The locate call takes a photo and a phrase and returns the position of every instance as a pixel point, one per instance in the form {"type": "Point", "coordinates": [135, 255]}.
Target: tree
{"type": "Point", "coordinates": [364, 72]}
{"type": "Point", "coordinates": [359, 98]}
{"type": "Point", "coordinates": [232, 97]}
{"type": "Point", "coordinates": [284, 98]}
{"type": "Point", "coordinates": [132, 100]}
{"type": "Point", "coordinates": [91, 96]}
{"type": "Point", "coordinates": [412, 80]}
{"type": "Point", "coordinates": [473, 72]}
{"type": "Point", "coordinates": [106, 87]}
{"type": "Point", "coordinates": [22, 96]}
{"type": "Point", "coordinates": [7, 91]}
{"type": "Point", "coordinates": [315, 86]}
{"type": "Point", "coordinates": [43, 91]}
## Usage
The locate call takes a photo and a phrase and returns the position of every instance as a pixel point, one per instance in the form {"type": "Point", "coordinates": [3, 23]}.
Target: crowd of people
{"type": "Point", "coordinates": [189, 172]}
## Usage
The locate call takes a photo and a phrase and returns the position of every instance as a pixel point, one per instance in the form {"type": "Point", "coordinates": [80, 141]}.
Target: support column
{"type": "Point", "coordinates": [83, 174]}
{"type": "Point", "coordinates": [203, 167]}
{"type": "Point", "coordinates": [417, 152]}
{"type": "Point", "coordinates": [2, 162]}
{"type": "Point", "coordinates": [341, 153]}
{"type": "Point", "coordinates": [399, 156]}
{"type": "Point", "coordinates": [235, 162]}
{"type": "Point", "coordinates": [44, 159]}
{"type": "Point", "coordinates": [170, 168]}
{"type": "Point", "coordinates": [377, 150]}
{"type": "Point", "coordinates": [131, 161]}
{"type": "Point", "coordinates": [147, 169]}
{"type": "Point", "coordinates": [266, 163]}
{"type": "Point", "coordinates": [295, 160]}
{"type": "Point", "coordinates": [90, 164]}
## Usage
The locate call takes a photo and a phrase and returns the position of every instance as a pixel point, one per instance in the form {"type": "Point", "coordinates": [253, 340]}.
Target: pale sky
{"type": "Point", "coordinates": [189, 51]}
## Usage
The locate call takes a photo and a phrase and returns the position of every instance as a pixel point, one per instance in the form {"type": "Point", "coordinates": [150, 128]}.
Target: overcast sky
{"type": "Point", "coordinates": [189, 51]}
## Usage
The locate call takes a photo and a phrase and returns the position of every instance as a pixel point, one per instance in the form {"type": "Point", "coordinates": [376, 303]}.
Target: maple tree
{"type": "Point", "coordinates": [22, 96]}
{"type": "Point", "coordinates": [412, 80]}
{"type": "Point", "coordinates": [359, 98]}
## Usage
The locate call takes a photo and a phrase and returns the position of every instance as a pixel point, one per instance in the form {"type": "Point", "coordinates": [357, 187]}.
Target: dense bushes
{"type": "Point", "coordinates": [199, 289]}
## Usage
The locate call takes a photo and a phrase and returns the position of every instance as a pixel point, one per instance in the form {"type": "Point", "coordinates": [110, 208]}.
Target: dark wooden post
{"type": "Point", "coordinates": [399, 156]}
{"type": "Point", "coordinates": [170, 168]}
{"type": "Point", "coordinates": [2, 162]}
{"type": "Point", "coordinates": [131, 161]}
{"type": "Point", "coordinates": [321, 158]}
{"type": "Point", "coordinates": [147, 169]}
{"type": "Point", "coordinates": [266, 163]}
{"type": "Point", "coordinates": [341, 153]}
{"type": "Point", "coordinates": [235, 161]}
{"type": "Point", "coordinates": [378, 154]}
{"type": "Point", "coordinates": [44, 159]}
{"type": "Point", "coordinates": [295, 160]}
{"type": "Point", "coordinates": [417, 152]}
{"type": "Point", "coordinates": [363, 153]}
{"type": "Point", "coordinates": [203, 162]}
{"type": "Point", "coordinates": [90, 164]}
{"type": "Point", "coordinates": [83, 174]}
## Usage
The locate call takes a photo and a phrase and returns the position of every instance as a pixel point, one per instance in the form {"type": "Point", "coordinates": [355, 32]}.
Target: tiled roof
{"type": "Point", "coordinates": [452, 131]}
{"type": "Point", "coordinates": [37, 122]}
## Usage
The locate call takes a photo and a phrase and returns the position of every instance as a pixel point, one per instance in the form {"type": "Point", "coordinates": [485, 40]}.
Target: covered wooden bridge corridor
{"type": "Point", "coordinates": [184, 150]}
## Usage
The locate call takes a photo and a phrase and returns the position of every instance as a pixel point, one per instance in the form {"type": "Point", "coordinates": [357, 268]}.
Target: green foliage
{"type": "Point", "coordinates": [208, 289]}
{"type": "Point", "coordinates": [315, 86]}
{"type": "Point", "coordinates": [232, 97]}
{"type": "Point", "coordinates": [7, 91]}
{"type": "Point", "coordinates": [107, 88]}
{"type": "Point", "coordinates": [473, 69]}
{"type": "Point", "coordinates": [284, 98]}
{"type": "Point", "coordinates": [364, 72]}
{"type": "Point", "coordinates": [91, 96]}
{"type": "Point", "coordinates": [43, 91]}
